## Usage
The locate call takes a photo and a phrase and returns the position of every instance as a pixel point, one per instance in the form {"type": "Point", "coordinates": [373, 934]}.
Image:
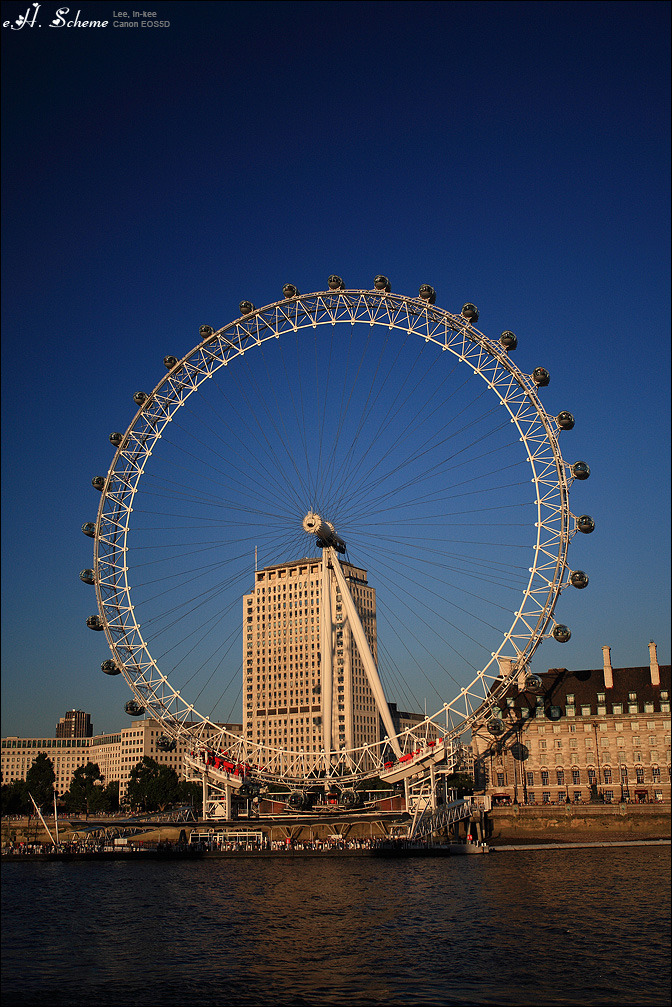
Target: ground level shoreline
{"type": "Point", "coordinates": [290, 854]}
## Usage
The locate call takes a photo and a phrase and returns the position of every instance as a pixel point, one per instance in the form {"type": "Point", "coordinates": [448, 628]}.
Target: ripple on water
{"type": "Point", "coordinates": [544, 927]}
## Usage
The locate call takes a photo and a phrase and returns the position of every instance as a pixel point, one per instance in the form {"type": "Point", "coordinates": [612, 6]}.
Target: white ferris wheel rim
{"type": "Point", "coordinates": [518, 394]}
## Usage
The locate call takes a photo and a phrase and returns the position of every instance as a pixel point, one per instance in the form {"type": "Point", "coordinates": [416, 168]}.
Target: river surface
{"type": "Point", "coordinates": [539, 927]}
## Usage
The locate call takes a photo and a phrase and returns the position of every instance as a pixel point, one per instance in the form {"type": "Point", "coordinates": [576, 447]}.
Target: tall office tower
{"type": "Point", "coordinates": [284, 702]}
{"type": "Point", "coordinates": [75, 724]}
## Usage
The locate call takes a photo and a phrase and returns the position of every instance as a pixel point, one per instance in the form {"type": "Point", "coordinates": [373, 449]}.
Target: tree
{"type": "Point", "coordinates": [40, 780]}
{"type": "Point", "coordinates": [190, 792]}
{"type": "Point", "coordinates": [461, 782]}
{"type": "Point", "coordinates": [111, 796]}
{"type": "Point", "coordinates": [151, 786]}
{"type": "Point", "coordinates": [14, 798]}
{"type": "Point", "coordinates": [86, 792]}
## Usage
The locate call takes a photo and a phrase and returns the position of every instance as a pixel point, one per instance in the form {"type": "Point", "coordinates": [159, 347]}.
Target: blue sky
{"type": "Point", "coordinates": [513, 155]}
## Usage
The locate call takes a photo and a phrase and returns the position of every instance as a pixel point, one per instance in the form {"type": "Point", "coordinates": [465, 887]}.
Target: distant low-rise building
{"type": "Point", "coordinates": [115, 754]}
{"type": "Point", "coordinates": [600, 734]}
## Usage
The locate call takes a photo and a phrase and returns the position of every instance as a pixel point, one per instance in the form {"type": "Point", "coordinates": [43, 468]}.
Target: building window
{"type": "Point", "coordinates": [632, 695]}
{"type": "Point", "coordinates": [607, 774]}
{"type": "Point", "coordinates": [500, 779]}
{"type": "Point", "coordinates": [655, 772]}
{"type": "Point", "coordinates": [617, 708]}
{"type": "Point", "coordinates": [560, 773]}
{"type": "Point", "coordinates": [546, 797]}
{"type": "Point", "coordinates": [639, 770]}
{"type": "Point", "coordinates": [576, 776]}
{"type": "Point", "coordinates": [530, 778]}
{"type": "Point", "coordinates": [585, 711]}
{"type": "Point", "coordinates": [569, 698]}
{"type": "Point", "coordinates": [591, 776]}
{"type": "Point", "coordinates": [544, 777]}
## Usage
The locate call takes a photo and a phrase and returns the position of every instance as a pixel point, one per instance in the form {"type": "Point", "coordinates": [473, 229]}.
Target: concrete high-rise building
{"type": "Point", "coordinates": [284, 703]}
{"type": "Point", "coordinates": [75, 724]}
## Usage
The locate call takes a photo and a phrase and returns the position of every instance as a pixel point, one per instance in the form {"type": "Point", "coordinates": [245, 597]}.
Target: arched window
{"type": "Point", "coordinates": [607, 774]}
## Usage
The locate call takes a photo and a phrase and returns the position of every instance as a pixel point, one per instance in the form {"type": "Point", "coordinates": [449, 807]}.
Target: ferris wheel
{"type": "Point", "coordinates": [378, 447]}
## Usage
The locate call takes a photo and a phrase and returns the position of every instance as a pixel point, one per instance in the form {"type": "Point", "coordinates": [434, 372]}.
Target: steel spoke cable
{"type": "Point", "coordinates": [403, 463]}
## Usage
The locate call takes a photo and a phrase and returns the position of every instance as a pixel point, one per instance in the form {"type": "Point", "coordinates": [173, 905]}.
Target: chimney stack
{"type": "Point", "coordinates": [608, 670]}
{"type": "Point", "coordinates": [505, 666]}
{"type": "Point", "coordinates": [653, 664]}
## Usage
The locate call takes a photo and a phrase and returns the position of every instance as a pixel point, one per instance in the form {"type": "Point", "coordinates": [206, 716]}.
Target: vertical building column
{"type": "Point", "coordinates": [326, 657]}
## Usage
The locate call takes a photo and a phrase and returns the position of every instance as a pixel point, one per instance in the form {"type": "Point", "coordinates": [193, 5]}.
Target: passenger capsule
{"type": "Point", "coordinates": [87, 576]}
{"type": "Point", "coordinates": [140, 397]}
{"type": "Point", "coordinates": [561, 633]}
{"type": "Point", "coordinates": [116, 438]}
{"type": "Point", "coordinates": [519, 751]}
{"type": "Point", "coordinates": [289, 290]}
{"type": "Point", "coordinates": [165, 743]}
{"type": "Point", "coordinates": [98, 483]}
{"type": "Point", "coordinates": [381, 282]}
{"type": "Point", "coordinates": [541, 377]}
{"type": "Point", "coordinates": [246, 307]}
{"type": "Point", "coordinates": [335, 283]}
{"type": "Point", "coordinates": [554, 712]}
{"type": "Point", "coordinates": [585, 524]}
{"type": "Point", "coordinates": [427, 293]}
{"type": "Point", "coordinates": [169, 362]}
{"type": "Point", "coordinates": [533, 684]}
{"type": "Point", "coordinates": [297, 800]}
{"type": "Point", "coordinates": [93, 622]}
{"type": "Point", "coordinates": [110, 667]}
{"type": "Point", "coordinates": [89, 529]}
{"type": "Point", "coordinates": [495, 726]}
{"type": "Point", "coordinates": [509, 341]}
{"type": "Point", "coordinates": [578, 579]}
{"type": "Point", "coordinates": [470, 312]}
{"type": "Point", "coordinates": [565, 420]}
{"type": "Point", "coordinates": [133, 708]}
{"type": "Point", "coordinates": [580, 470]}
{"type": "Point", "coordinates": [348, 798]}
{"type": "Point", "coordinates": [206, 331]}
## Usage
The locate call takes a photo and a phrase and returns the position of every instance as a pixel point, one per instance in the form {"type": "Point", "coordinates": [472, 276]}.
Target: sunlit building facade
{"type": "Point", "coordinates": [600, 734]}
{"type": "Point", "coordinates": [114, 754]}
{"type": "Point", "coordinates": [284, 702]}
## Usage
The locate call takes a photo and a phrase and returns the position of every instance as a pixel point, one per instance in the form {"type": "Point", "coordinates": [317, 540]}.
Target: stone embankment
{"type": "Point", "coordinates": [571, 823]}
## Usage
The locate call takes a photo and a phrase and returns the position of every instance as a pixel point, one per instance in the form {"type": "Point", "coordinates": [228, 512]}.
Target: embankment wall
{"type": "Point", "coordinates": [572, 823]}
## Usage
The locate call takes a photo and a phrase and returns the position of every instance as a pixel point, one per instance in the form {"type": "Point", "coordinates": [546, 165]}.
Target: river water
{"type": "Point", "coordinates": [538, 927]}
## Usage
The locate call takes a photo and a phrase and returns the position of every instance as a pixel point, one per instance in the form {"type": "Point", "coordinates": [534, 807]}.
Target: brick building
{"type": "Point", "coordinates": [600, 734]}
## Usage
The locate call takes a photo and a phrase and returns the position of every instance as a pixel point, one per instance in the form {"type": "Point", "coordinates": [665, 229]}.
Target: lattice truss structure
{"type": "Point", "coordinates": [550, 477]}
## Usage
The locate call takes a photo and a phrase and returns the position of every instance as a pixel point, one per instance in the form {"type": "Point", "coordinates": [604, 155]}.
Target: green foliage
{"type": "Point", "coordinates": [151, 786]}
{"type": "Point", "coordinates": [15, 800]}
{"type": "Point", "coordinates": [463, 783]}
{"type": "Point", "coordinates": [191, 792]}
{"type": "Point", "coordinates": [86, 792]}
{"type": "Point", "coordinates": [111, 796]}
{"type": "Point", "coordinates": [40, 780]}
